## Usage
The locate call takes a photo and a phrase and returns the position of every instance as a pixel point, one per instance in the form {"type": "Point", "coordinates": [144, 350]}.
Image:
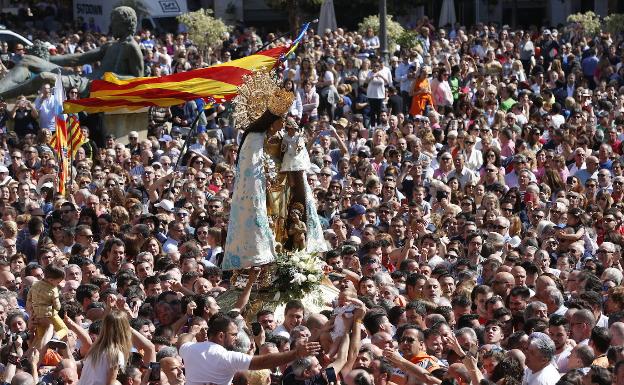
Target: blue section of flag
{"type": "Point", "coordinates": [296, 42]}
{"type": "Point", "coordinates": [200, 104]}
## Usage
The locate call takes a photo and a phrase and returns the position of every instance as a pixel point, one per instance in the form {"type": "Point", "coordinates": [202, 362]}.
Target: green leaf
{"type": "Point", "coordinates": [204, 30]}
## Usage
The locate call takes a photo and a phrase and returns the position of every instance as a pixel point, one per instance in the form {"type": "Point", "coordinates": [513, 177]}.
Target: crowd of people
{"type": "Point", "coordinates": [470, 191]}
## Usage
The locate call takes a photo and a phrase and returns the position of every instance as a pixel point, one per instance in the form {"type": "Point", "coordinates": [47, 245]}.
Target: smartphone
{"type": "Point", "coordinates": [331, 375]}
{"type": "Point", "coordinates": [154, 372]}
{"type": "Point", "coordinates": [57, 345]}
{"type": "Point", "coordinates": [256, 328]}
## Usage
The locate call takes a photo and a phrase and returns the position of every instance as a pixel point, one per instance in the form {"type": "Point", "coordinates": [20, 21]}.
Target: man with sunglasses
{"type": "Point", "coordinates": [412, 349]}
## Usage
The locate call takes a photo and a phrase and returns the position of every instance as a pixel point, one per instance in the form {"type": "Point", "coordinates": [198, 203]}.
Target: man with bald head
{"type": "Point", "coordinates": [541, 283]}
{"type": "Point", "coordinates": [23, 378]}
{"type": "Point", "coordinates": [172, 369]}
{"type": "Point", "coordinates": [458, 372]}
{"type": "Point", "coordinates": [202, 286]}
{"type": "Point", "coordinates": [519, 275]}
{"type": "Point", "coordinates": [502, 284]}
{"type": "Point", "coordinates": [315, 323]}
{"type": "Point", "coordinates": [617, 333]}
{"type": "Point", "coordinates": [7, 279]}
{"type": "Point", "coordinates": [581, 324]}
{"type": "Point", "coordinates": [69, 376]}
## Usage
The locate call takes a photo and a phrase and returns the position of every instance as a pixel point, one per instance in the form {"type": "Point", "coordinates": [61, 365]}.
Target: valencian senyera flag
{"type": "Point", "coordinates": [59, 140]}
{"type": "Point", "coordinates": [217, 83]}
{"type": "Point", "coordinates": [76, 137]}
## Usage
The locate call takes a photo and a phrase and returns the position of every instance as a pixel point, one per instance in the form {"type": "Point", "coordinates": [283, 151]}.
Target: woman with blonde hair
{"type": "Point", "coordinates": [110, 352]}
{"type": "Point", "coordinates": [518, 71]}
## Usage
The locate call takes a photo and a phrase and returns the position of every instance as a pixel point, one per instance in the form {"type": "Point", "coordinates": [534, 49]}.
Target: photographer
{"type": "Point", "coordinates": [20, 368]}
{"type": "Point", "coordinates": [25, 117]}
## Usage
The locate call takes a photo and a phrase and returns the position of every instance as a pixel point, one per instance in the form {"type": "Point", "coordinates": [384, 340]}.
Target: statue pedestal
{"type": "Point", "coordinates": [314, 301]}
{"type": "Point", "coordinates": [120, 124]}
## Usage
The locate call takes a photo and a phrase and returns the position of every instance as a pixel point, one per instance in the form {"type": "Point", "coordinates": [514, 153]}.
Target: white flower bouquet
{"type": "Point", "coordinates": [297, 273]}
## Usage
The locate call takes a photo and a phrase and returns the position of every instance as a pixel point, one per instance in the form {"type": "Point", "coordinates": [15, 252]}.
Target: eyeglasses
{"type": "Point", "coordinates": [469, 143]}
{"type": "Point", "coordinates": [86, 235]}
{"type": "Point", "coordinates": [491, 170]}
{"type": "Point", "coordinates": [508, 209]}
{"type": "Point", "coordinates": [322, 174]}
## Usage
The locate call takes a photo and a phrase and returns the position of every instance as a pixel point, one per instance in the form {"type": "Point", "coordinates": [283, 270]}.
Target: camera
{"type": "Point", "coordinates": [25, 335]}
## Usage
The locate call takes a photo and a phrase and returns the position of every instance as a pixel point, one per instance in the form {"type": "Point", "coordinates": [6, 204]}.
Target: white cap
{"type": "Point", "coordinates": [165, 204]}
{"type": "Point", "coordinates": [3, 168]}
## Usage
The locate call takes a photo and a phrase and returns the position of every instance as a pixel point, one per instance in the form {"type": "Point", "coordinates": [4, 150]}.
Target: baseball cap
{"type": "Point", "coordinates": [354, 211]}
{"type": "Point", "coordinates": [165, 204]}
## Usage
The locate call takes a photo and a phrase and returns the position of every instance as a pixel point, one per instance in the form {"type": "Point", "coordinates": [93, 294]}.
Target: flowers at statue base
{"type": "Point", "coordinates": [297, 273]}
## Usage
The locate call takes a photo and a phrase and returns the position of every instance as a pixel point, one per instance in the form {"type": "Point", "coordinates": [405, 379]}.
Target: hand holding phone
{"type": "Point", "coordinates": [154, 372]}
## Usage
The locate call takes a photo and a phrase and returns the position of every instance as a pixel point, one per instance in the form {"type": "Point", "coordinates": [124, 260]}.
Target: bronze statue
{"type": "Point", "coordinates": [122, 57]}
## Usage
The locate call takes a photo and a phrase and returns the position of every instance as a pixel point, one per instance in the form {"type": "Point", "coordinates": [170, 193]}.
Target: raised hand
{"type": "Point", "coordinates": [306, 349]}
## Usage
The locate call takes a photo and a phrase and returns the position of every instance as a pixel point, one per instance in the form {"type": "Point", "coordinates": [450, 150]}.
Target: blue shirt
{"type": "Point", "coordinates": [589, 65]}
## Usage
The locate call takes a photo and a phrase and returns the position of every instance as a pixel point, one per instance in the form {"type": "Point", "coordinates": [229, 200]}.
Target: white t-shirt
{"type": "Point", "coordinates": [280, 330]}
{"type": "Point", "coordinates": [207, 362]}
{"type": "Point", "coordinates": [97, 373]}
{"type": "Point", "coordinates": [547, 376]}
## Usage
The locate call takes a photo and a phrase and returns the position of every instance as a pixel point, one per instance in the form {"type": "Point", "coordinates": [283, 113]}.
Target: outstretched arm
{"type": "Point", "coordinates": [75, 59]}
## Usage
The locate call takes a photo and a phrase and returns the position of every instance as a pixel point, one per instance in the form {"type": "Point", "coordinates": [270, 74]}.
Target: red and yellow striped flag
{"type": "Point", "coordinates": [217, 83]}
{"type": "Point", "coordinates": [76, 138]}
{"type": "Point", "coordinates": [59, 143]}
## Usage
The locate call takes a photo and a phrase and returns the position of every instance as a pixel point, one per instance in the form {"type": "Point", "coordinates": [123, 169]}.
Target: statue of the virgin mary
{"type": "Point", "coordinates": [266, 201]}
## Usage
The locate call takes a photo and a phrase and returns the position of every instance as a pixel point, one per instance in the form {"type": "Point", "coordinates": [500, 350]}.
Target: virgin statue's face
{"type": "Point", "coordinates": [277, 125]}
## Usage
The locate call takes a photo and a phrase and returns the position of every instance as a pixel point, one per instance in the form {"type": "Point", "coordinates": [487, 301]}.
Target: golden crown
{"type": "Point", "coordinates": [258, 93]}
{"type": "Point", "coordinates": [281, 101]}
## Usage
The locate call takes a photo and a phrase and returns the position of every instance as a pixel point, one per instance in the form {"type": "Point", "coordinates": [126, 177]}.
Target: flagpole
{"type": "Point", "coordinates": [279, 37]}
{"type": "Point", "coordinates": [191, 133]}
{"type": "Point", "coordinates": [71, 160]}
